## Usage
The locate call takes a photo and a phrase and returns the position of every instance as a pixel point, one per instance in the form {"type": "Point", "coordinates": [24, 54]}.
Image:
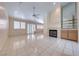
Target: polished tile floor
{"type": "Point", "coordinates": [39, 45]}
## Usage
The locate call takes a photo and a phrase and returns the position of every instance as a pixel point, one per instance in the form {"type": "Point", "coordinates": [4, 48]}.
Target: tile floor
{"type": "Point", "coordinates": [39, 45]}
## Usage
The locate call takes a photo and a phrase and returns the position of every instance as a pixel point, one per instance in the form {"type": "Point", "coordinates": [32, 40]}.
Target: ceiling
{"type": "Point", "coordinates": [25, 9]}
{"type": "Point", "coordinates": [65, 3]}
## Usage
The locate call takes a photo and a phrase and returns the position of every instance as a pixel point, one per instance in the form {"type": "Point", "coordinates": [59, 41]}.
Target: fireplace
{"type": "Point", "coordinates": [53, 33]}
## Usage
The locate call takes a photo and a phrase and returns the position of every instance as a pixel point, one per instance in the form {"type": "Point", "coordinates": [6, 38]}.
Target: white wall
{"type": "Point", "coordinates": [3, 27]}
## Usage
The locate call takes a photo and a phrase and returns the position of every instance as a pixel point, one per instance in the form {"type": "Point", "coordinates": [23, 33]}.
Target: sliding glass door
{"type": "Point", "coordinates": [31, 28]}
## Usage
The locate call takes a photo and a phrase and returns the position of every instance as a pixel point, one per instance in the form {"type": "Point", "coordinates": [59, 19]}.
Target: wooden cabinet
{"type": "Point", "coordinates": [69, 34]}
{"type": "Point", "coordinates": [73, 35]}
{"type": "Point", "coordinates": [64, 34]}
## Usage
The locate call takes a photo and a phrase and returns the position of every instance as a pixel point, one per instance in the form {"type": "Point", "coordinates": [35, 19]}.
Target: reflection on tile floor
{"type": "Point", "coordinates": [38, 45]}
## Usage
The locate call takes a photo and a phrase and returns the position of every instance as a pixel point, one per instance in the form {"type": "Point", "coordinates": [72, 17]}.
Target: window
{"type": "Point", "coordinates": [22, 25]}
{"type": "Point", "coordinates": [19, 25]}
{"type": "Point", "coordinates": [16, 25]}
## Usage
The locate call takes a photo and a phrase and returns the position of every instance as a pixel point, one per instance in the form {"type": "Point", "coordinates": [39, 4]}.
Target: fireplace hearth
{"type": "Point", "coordinates": [53, 33]}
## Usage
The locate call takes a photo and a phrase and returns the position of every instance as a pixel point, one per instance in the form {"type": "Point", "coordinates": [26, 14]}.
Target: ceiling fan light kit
{"type": "Point", "coordinates": [34, 14]}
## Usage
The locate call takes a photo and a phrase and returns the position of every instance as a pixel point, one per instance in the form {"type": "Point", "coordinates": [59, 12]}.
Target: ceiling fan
{"type": "Point", "coordinates": [34, 14]}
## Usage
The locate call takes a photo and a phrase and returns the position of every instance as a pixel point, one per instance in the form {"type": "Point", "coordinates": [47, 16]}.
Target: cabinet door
{"type": "Point", "coordinates": [73, 35]}
{"type": "Point", "coordinates": [64, 34]}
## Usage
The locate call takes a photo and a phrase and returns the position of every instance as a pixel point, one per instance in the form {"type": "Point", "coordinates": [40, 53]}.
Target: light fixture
{"type": "Point", "coordinates": [34, 14]}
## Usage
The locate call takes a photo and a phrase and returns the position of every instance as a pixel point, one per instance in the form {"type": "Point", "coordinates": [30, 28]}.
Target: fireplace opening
{"type": "Point", "coordinates": [53, 33]}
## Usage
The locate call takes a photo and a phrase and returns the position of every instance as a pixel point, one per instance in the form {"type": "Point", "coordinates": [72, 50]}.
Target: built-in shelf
{"type": "Point", "coordinates": [68, 16]}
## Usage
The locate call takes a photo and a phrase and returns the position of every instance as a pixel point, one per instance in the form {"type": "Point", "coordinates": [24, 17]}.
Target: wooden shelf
{"type": "Point", "coordinates": [69, 20]}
